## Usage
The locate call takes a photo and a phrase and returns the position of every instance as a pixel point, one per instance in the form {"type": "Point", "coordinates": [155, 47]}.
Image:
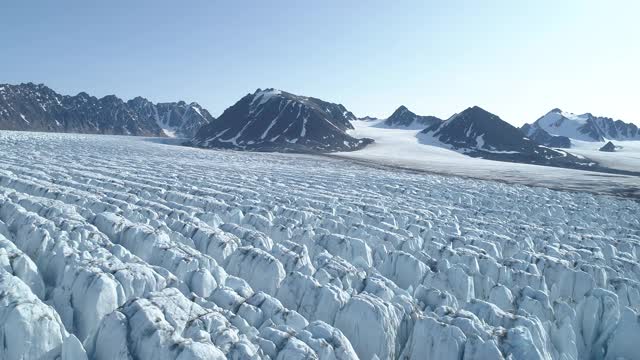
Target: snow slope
{"type": "Point", "coordinates": [125, 248]}
{"type": "Point", "coordinates": [401, 148]}
{"type": "Point", "coordinates": [563, 123]}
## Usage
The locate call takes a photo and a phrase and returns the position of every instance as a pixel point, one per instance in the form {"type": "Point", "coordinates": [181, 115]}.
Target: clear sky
{"type": "Point", "coordinates": [517, 59]}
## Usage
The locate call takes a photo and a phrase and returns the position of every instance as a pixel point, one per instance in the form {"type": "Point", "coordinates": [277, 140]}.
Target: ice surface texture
{"type": "Point", "coordinates": [122, 248]}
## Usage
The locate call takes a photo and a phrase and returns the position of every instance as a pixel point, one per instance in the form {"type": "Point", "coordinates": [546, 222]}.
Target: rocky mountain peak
{"type": "Point", "coordinates": [275, 120]}
{"type": "Point", "coordinates": [34, 107]}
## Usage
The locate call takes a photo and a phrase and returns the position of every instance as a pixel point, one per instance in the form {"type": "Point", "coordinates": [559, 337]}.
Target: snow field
{"type": "Point", "coordinates": [118, 248]}
{"type": "Point", "coordinates": [626, 156]}
{"type": "Point", "coordinates": [407, 148]}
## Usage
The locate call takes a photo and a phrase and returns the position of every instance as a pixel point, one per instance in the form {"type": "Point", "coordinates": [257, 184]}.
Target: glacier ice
{"type": "Point", "coordinates": [120, 248]}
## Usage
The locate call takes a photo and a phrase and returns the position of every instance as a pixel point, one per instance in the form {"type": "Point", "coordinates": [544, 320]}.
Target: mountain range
{"type": "Point", "coordinates": [35, 107]}
{"type": "Point", "coordinates": [479, 133]}
{"type": "Point", "coordinates": [275, 120]}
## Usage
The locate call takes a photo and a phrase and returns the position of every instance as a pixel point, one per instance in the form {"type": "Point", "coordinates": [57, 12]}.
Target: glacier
{"type": "Point", "coordinates": [129, 248]}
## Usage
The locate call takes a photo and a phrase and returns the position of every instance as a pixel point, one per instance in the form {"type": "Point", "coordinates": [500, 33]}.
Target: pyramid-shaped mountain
{"type": "Point", "coordinates": [275, 120]}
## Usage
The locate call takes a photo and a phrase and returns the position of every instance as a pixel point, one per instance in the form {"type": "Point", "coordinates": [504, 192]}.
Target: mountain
{"type": "Point", "coordinates": [403, 117]}
{"type": "Point", "coordinates": [367, 118]}
{"type": "Point", "coordinates": [542, 137]}
{"type": "Point", "coordinates": [31, 107]}
{"type": "Point", "coordinates": [479, 133]}
{"type": "Point", "coordinates": [178, 119]}
{"type": "Point", "coordinates": [608, 147]}
{"type": "Point", "coordinates": [586, 127]}
{"type": "Point", "coordinates": [274, 120]}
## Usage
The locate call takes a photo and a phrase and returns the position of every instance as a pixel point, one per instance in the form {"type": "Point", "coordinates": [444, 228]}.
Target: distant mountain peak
{"type": "Point", "coordinates": [479, 133]}
{"type": "Point", "coordinates": [275, 120]}
{"type": "Point", "coordinates": [586, 127]}
{"type": "Point", "coordinates": [272, 91]}
{"type": "Point", "coordinates": [473, 114]}
{"type": "Point", "coordinates": [402, 110]}
{"type": "Point", "coordinates": [112, 98]}
{"type": "Point", "coordinates": [542, 137]}
{"type": "Point", "coordinates": [478, 110]}
{"type": "Point", "coordinates": [608, 147]}
{"type": "Point", "coordinates": [405, 118]}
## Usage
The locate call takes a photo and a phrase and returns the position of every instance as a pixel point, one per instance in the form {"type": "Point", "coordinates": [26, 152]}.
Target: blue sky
{"type": "Point", "coordinates": [517, 59]}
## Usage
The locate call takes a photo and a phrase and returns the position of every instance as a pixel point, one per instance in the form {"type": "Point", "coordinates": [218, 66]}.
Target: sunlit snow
{"type": "Point", "coordinates": [406, 148]}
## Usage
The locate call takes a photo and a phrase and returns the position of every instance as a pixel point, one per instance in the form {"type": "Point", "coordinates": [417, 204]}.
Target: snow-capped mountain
{"type": "Point", "coordinates": [176, 119]}
{"type": "Point", "coordinates": [586, 127]}
{"type": "Point", "coordinates": [479, 133]}
{"type": "Point", "coordinates": [542, 137]}
{"type": "Point", "coordinates": [274, 120]}
{"type": "Point", "coordinates": [32, 107]}
{"type": "Point", "coordinates": [403, 117]}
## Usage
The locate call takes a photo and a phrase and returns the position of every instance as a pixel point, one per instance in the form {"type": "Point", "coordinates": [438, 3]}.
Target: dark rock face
{"type": "Point", "coordinates": [478, 133]}
{"type": "Point", "coordinates": [617, 129]}
{"type": "Point", "coordinates": [403, 117]}
{"type": "Point", "coordinates": [178, 119]}
{"type": "Point", "coordinates": [274, 120]}
{"type": "Point", "coordinates": [608, 147]}
{"type": "Point", "coordinates": [480, 130]}
{"type": "Point", "coordinates": [586, 127]}
{"type": "Point", "coordinates": [368, 118]}
{"type": "Point", "coordinates": [31, 107]}
{"type": "Point", "coordinates": [544, 138]}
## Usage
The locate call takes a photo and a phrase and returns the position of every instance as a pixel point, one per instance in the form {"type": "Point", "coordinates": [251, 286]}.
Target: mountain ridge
{"type": "Point", "coordinates": [405, 118]}
{"type": "Point", "coordinates": [36, 107]}
{"type": "Point", "coordinates": [478, 133]}
{"type": "Point", "coordinates": [584, 127]}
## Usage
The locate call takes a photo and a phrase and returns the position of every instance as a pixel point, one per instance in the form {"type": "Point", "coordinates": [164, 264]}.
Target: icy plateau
{"type": "Point", "coordinates": [127, 248]}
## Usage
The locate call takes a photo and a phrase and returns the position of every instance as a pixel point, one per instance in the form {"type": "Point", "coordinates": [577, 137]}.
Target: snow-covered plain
{"type": "Point", "coordinates": [626, 156]}
{"type": "Point", "coordinates": [125, 248]}
{"type": "Point", "coordinates": [407, 148]}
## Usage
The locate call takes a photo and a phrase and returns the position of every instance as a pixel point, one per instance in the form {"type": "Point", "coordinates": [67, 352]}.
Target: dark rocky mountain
{"type": "Point", "coordinates": [274, 120]}
{"type": "Point", "coordinates": [478, 133]}
{"type": "Point", "coordinates": [31, 107]}
{"type": "Point", "coordinates": [367, 118]}
{"type": "Point", "coordinates": [179, 119]}
{"type": "Point", "coordinates": [608, 147]}
{"type": "Point", "coordinates": [586, 127]}
{"type": "Point", "coordinates": [403, 117]}
{"type": "Point", "coordinates": [544, 138]}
